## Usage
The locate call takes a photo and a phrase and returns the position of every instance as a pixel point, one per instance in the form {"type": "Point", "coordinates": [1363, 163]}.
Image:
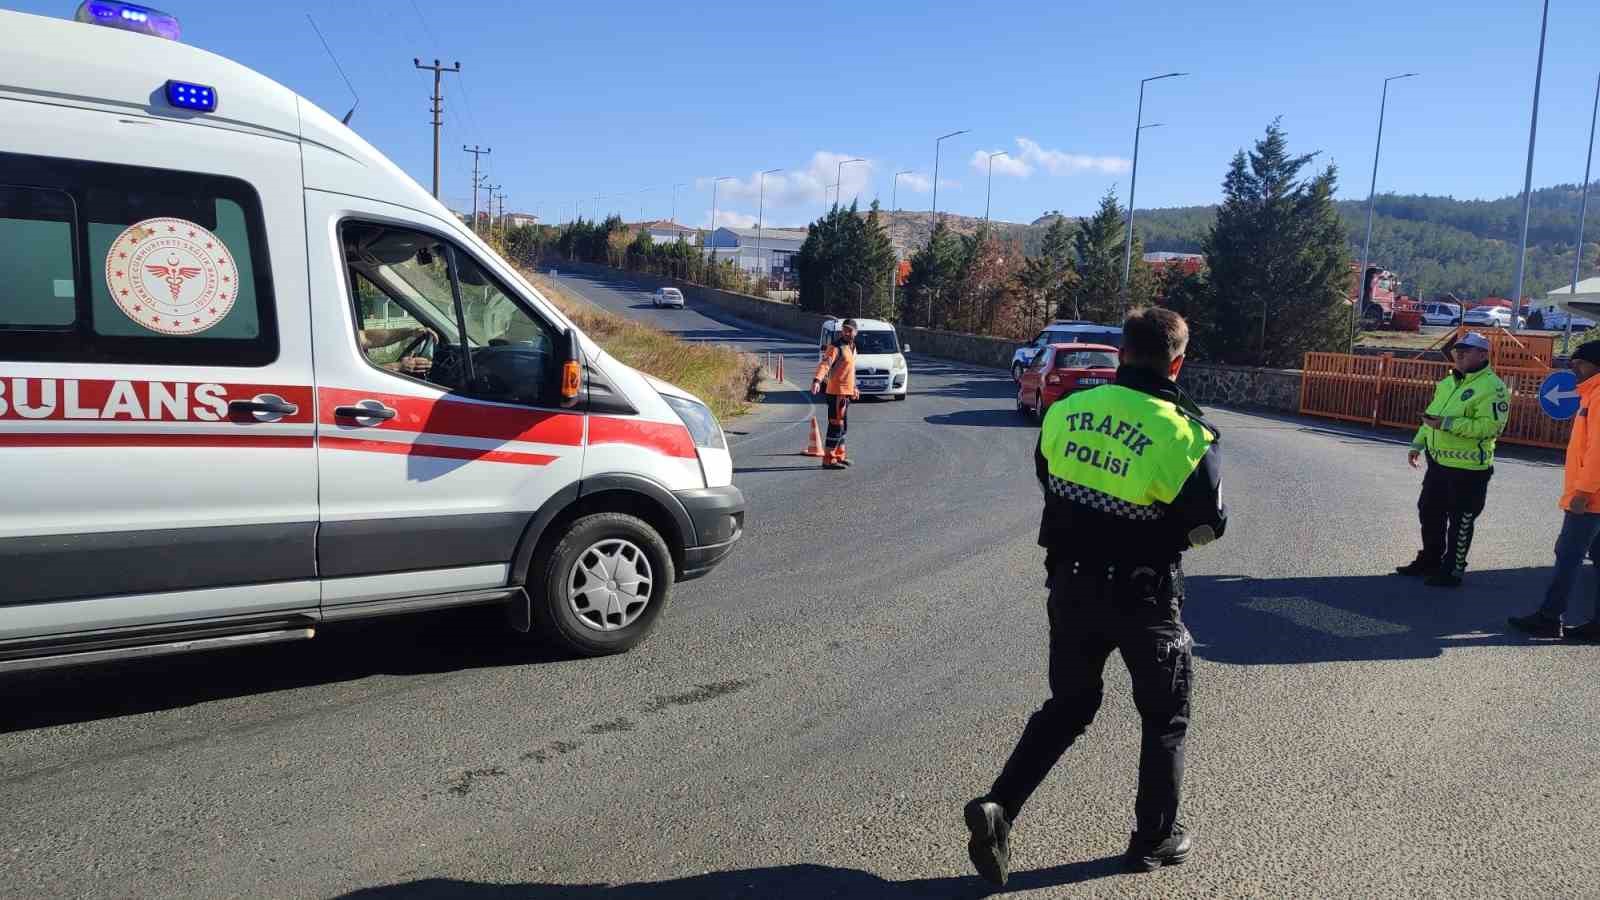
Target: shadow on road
{"type": "Point", "coordinates": [800, 882]}
{"type": "Point", "coordinates": [963, 382]}
{"type": "Point", "coordinates": [423, 643]}
{"type": "Point", "coordinates": [1286, 621]}
{"type": "Point", "coordinates": [982, 418]}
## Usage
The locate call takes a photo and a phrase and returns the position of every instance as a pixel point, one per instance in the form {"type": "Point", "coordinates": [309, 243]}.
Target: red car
{"type": "Point", "coordinates": [1061, 369]}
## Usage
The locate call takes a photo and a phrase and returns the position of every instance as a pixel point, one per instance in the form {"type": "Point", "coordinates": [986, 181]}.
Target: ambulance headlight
{"type": "Point", "coordinates": [702, 424]}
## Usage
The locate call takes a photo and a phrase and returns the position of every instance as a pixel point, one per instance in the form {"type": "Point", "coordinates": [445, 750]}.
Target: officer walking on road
{"type": "Point", "coordinates": [1459, 429]}
{"type": "Point", "coordinates": [1580, 501]}
{"type": "Point", "coordinates": [1131, 477]}
{"type": "Point", "coordinates": [836, 374]}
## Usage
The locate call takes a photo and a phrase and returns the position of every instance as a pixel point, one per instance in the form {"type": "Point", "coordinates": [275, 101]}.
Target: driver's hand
{"type": "Point", "coordinates": [1414, 457]}
{"type": "Point", "coordinates": [416, 365]}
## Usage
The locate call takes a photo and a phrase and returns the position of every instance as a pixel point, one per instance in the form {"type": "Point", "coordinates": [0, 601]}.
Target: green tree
{"type": "Point", "coordinates": [935, 270]}
{"type": "Point", "coordinates": [1098, 248]}
{"type": "Point", "coordinates": [1048, 279]}
{"type": "Point", "coordinates": [1278, 258]}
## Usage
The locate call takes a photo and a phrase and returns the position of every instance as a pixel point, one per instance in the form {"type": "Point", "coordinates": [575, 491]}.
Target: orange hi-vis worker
{"type": "Point", "coordinates": [836, 375]}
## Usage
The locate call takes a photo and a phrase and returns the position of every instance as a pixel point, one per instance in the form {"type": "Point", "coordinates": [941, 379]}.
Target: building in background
{"type": "Point", "coordinates": [1187, 263]}
{"type": "Point", "coordinates": [518, 220]}
{"type": "Point", "coordinates": [774, 258]}
{"type": "Point", "coordinates": [665, 232]}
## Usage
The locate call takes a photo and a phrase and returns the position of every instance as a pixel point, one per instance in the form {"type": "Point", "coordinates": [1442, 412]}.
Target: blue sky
{"type": "Point", "coordinates": [627, 99]}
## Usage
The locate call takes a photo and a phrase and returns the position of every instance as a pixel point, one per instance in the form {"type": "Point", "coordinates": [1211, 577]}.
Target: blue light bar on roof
{"type": "Point", "coordinates": [129, 17]}
{"type": "Point", "coordinates": [197, 97]}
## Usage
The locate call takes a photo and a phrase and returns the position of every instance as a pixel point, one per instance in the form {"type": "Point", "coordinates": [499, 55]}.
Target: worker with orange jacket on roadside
{"type": "Point", "coordinates": [836, 375]}
{"type": "Point", "coordinates": [1580, 500]}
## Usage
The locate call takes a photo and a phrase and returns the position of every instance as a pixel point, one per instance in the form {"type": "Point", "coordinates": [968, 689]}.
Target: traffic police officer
{"type": "Point", "coordinates": [1131, 475]}
{"type": "Point", "coordinates": [1469, 410]}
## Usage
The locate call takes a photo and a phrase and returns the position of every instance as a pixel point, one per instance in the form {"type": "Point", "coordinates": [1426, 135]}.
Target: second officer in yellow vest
{"type": "Point", "coordinates": [1459, 429]}
{"type": "Point", "coordinates": [1131, 475]}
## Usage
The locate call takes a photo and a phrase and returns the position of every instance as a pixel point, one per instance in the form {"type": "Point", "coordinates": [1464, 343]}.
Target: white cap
{"type": "Point", "coordinates": [1475, 340]}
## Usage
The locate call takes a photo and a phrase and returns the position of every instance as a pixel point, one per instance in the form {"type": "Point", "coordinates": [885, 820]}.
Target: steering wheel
{"type": "Point", "coordinates": [423, 344]}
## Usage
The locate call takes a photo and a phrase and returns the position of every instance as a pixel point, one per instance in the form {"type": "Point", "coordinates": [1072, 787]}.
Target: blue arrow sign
{"type": "Point", "coordinates": [1558, 396]}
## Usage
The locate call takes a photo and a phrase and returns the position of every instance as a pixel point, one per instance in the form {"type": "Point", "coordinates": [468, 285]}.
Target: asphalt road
{"type": "Point", "coordinates": [809, 719]}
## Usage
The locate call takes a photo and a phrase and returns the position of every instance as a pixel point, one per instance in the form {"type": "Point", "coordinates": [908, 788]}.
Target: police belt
{"type": "Point", "coordinates": [1148, 576]}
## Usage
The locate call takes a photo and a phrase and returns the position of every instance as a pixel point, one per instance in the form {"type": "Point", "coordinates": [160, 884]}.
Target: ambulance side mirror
{"type": "Point", "coordinates": [571, 370]}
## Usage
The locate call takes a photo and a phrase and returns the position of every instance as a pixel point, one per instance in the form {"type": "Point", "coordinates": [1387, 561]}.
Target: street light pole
{"type": "Point", "coordinates": [674, 218]}
{"type": "Point", "coordinates": [1527, 181]}
{"type": "Point", "coordinates": [1372, 193]}
{"type": "Point", "coordinates": [989, 195]}
{"type": "Point", "coordinates": [936, 143]}
{"type": "Point", "coordinates": [1133, 184]}
{"type": "Point", "coordinates": [714, 183]}
{"type": "Point", "coordinates": [761, 212]}
{"type": "Point", "coordinates": [894, 274]}
{"type": "Point", "coordinates": [838, 178]}
{"type": "Point", "coordinates": [1577, 262]}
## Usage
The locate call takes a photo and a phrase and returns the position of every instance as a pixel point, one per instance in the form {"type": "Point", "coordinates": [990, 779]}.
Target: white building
{"type": "Point", "coordinates": [518, 220]}
{"type": "Point", "coordinates": [665, 232]}
{"type": "Point", "coordinates": [771, 252]}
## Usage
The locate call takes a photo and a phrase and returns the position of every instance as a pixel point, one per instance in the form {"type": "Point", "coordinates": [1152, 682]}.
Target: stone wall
{"type": "Point", "coordinates": [1275, 390]}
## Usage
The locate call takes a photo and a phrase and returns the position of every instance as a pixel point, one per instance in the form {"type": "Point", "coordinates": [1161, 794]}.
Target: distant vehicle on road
{"type": "Point", "coordinates": [1064, 331]}
{"type": "Point", "coordinates": [1441, 313]}
{"type": "Point", "coordinates": [667, 296]}
{"type": "Point", "coordinates": [1491, 315]}
{"type": "Point", "coordinates": [880, 359]}
{"type": "Point", "coordinates": [1551, 317]}
{"type": "Point", "coordinates": [1062, 369]}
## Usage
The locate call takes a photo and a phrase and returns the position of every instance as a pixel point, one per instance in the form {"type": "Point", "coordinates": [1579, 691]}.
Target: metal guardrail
{"type": "Point", "coordinates": [1384, 391]}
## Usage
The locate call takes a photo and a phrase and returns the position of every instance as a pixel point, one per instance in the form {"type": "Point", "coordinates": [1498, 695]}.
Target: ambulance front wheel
{"type": "Point", "coordinates": [603, 585]}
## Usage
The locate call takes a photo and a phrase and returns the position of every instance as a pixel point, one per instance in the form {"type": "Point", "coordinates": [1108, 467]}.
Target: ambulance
{"type": "Point", "coordinates": [254, 379]}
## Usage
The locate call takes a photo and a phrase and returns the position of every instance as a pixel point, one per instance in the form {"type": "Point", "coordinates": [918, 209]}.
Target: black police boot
{"type": "Point", "coordinates": [990, 844]}
{"type": "Point", "coordinates": [1587, 633]}
{"type": "Point", "coordinates": [1443, 580]}
{"type": "Point", "coordinates": [1419, 567]}
{"type": "Point", "coordinates": [1536, 625]}
{"type": "Point", "coordinates": [1145, 855]}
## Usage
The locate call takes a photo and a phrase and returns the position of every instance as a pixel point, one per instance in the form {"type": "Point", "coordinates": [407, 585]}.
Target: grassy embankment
{"type": "Point", "coordinates": [721, 376]}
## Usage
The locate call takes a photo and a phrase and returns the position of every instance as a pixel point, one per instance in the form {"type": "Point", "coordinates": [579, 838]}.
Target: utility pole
{"type": "Point", "coordinates": [489, 209]}
{"type": "Point", "coordinates": [477, 154]}
{"type": "Point", "coordinates": [501, 218]}
{"type": "Point", "coordinates": [1527, 181]}
{"type": "Point", "coordinates": [674, 218]}
{"type": "Point", "coordinates": [438, 111]}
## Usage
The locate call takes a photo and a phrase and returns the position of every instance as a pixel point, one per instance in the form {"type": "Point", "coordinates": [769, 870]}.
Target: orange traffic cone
{"type": "Point", "coordinates": [814, 447]}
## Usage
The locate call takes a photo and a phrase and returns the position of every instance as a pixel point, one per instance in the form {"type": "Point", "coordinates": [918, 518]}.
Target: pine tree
{"type": "Point", "coordinates": [1097, 246]}
{"type": "Point", "coordinates": [1278, 258]}
{"type": "Point", "coordinates": [934, 272]}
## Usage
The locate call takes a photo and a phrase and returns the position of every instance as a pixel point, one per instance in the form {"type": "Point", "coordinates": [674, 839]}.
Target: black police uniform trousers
{"type": "Point", "coordinates": [1095, 609]}
{"type": "Point", "coordinates": [1451, 501]}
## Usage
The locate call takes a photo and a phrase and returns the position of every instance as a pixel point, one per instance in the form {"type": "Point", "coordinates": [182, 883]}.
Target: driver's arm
{"type": "Point", "coordinates": [377, 338]}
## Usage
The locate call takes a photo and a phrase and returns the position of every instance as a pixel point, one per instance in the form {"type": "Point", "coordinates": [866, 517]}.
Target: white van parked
{"type": "Point", "coordinates": [254, 378]}
{"type": "Point", "coordinates": [880, 358]}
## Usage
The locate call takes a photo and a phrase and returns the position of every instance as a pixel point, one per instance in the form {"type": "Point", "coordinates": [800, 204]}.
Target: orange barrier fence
{"type": "Point", "coordinates": [1382, 390]}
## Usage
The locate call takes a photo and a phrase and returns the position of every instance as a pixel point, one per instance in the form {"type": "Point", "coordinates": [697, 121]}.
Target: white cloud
{"type": "Point", "coordinates": [810, 185]}
{"type": "Point", "coordinates": [728, 218]}
{"type": "Point", "coordinates": [1059, 162]}
{"type": "Point", "coordinates": [1003, 165]}
{"type": "Point", "coordinates": [916, 183]}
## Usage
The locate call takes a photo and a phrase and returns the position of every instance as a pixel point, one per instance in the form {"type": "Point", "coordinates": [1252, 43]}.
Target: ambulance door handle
{"type": "Point", "coordinates": [366, 411]}
{"type": "Point", "coordinates": [263, 408]}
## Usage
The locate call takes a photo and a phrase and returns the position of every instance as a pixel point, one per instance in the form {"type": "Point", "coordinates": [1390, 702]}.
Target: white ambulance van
{"type": "Point", "coordinates": [253, 378]}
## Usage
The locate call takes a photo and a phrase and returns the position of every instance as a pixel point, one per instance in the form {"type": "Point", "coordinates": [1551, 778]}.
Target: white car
{"type": "Point", "coordinates": [1491, 315]}
{"type": "Point", "coordinates": [254, 378]}
{"type": "Point", "coordinates": [1554, 318]}
{"type": "Point", "coordinates": [668, 297]}
{"type": "Point", "coordinates": [1439, 313]}
{"type": "Point", "coordinates": [880, 358]}
{"type": "Point", "coordinates": [1063, 331]}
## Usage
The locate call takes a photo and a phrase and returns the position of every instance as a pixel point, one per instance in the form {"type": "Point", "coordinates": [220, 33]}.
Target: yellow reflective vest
{"type": "Point", "coordinates": [1474, 409]}
{"type": "Point", "coordinates": [1116, 447]}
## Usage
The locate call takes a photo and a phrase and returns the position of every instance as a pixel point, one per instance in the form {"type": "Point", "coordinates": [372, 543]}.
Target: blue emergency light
{"type": "Point", "coordinates": [128, 17]}
{"type": "Point", "coordinates": [197, 97]}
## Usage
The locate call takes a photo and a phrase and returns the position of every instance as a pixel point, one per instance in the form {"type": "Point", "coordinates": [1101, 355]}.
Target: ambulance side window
{"type": "Point", "coordinates": [121, 264]}
{"type": "Point", "coordinates": [37, 287]}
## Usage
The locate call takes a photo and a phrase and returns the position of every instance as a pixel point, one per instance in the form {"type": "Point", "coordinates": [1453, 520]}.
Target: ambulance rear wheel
{"type": "Point", "coordinates": [603, 585]}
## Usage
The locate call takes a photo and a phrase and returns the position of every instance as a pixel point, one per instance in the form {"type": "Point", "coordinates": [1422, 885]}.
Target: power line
{"type": "Point", "coordinates": [438, 112]}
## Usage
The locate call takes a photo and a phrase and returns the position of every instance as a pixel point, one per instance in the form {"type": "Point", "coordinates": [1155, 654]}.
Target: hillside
{"type": "Point", "coordinates": [1439, 245]}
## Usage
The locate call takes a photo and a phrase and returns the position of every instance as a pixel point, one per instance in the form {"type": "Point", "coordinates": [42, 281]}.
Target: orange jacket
{"type": "Point", "coordinates": [837, 370]}
{"type": "Point", "coordinates": [1583, 450]}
